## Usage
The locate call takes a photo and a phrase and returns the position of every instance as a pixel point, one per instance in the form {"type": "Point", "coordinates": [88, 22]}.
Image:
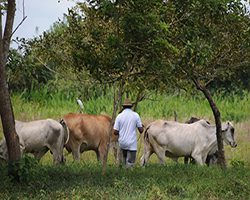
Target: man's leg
{"type": "Point", "coordinates": [124, 156]}
{"type": "Point", "coordinates": [131, 157]}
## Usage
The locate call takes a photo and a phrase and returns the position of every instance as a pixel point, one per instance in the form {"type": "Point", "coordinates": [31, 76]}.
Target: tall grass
{"type": "Point", "coordinates": [42, 104]}
{"type": "Point", "coordinates": [233, 107]}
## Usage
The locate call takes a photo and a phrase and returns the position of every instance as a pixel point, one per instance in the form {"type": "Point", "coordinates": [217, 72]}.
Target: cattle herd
{"type": "Point", "coordinates": [195, 139]}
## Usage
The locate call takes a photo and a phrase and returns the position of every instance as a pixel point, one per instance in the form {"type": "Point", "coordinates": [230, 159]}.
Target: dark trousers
{"type": "Point", "coordinates": [129, 157]}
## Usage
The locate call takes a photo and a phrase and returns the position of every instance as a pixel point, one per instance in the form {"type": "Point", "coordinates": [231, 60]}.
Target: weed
{"type": "Point", "coordinates": [237, 163]}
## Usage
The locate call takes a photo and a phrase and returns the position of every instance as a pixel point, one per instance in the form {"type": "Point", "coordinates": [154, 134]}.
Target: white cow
{"type": "Point", "coordinates": [37, 137]}
{"type": "Point", "coordinates": [174, 139]}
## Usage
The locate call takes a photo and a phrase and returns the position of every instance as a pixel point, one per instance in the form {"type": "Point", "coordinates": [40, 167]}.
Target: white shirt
{"type": "Point", "coordinates": [126, 123]}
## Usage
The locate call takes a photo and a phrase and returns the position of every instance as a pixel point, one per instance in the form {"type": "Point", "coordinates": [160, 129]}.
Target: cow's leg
{"type": "Point", "coordinates": [148, 151]}
{"type": "Point", "coordinates": [40, 154]}
{"type": "Point", "coordinates": [3, 150]}
{"type": "Point", "coordinates": [76, 152]}
{"type": "Point", "coordinates": [119, 159]}
{"type": "Point", "coordinates": [57, 151]}
{"type": "Point", "coordinates": [175, 159]}
{"type": "Point", "coordinates": [97, 155]}
{"type": "Point", "coordinates": [189, 159]}
{"type": "Point", "coordinates": [102, 149]}
{"type": "Point", "coordinates": [145, 157]}
{"type": "Point", "coordinates": [204, 159]}
{"type": "Point", "coordinates": [186, 159]}
{"type": "Point", "coordinates": [192, 161]}
{"type": "Point", "coordinates": [102, 152]}
{"type": "Point", "coordinates": [212, 159]}
{"type": "Point", "coordinates": [57, 154]}
{"type": "Point", "coordinates": [76, 147]}
{"type": "Point", "coordinates": [22, 146]}
{"type": "Point", "coordinates": [160, 152]}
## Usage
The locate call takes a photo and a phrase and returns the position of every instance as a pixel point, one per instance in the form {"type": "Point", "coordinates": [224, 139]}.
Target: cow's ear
{"type": "Point", "coordinates": [229, 124]}
{"type": "Point", "coordinates": [224, 127]}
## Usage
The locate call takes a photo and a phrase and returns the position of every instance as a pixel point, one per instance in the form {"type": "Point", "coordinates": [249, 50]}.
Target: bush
{"type": "Point", "coordinates": [27, 168]}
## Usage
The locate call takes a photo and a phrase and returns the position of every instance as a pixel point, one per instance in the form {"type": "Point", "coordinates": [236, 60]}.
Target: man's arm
{"type": "Point", "coordinates": [140, 129]}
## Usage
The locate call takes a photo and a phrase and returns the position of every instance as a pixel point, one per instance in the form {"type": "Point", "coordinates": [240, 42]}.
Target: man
{"type": "Point", "coordinates": [125, 127]}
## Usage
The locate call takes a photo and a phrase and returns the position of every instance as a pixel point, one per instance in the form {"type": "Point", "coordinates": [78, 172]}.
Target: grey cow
{"type": "Point", "coordinates": [37, 137]}
{"type": "Point", "coordinates": [174, 139]}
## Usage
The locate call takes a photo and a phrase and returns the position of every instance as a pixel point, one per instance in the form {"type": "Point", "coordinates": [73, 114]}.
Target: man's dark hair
{"type": "Point", "coordinates": [127, 107]}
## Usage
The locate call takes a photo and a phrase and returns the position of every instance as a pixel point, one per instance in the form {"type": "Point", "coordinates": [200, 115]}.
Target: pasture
{"type": "Point", "coordinates": [84, 180]}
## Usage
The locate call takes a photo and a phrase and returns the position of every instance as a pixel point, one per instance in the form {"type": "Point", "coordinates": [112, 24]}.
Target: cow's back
{"type": "Point", "coordinates": [38, 128]}
{"type": "Point", "coordinates": [37, 134]}
{"type": "Point", "coordinates": [177, 129]}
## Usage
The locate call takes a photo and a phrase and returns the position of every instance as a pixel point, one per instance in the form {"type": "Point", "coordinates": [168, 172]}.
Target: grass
{"type": "Point", "coordinates": [83, 180]}
{"type": "Point", "coordinates": [233, 107]}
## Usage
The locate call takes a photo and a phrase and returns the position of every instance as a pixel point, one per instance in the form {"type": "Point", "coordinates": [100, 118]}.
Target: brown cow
{"type": "Point", "coordinates": [88, 132]}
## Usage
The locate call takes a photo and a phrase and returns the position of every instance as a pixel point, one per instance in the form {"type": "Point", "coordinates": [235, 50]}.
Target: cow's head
{"type": "Point", "coordinates": [228, 134]}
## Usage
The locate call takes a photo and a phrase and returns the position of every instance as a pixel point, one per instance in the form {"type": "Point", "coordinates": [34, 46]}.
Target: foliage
{"type": "Point", "coordinates": [37, 61]}
{"type": "Point", "coordinates": [208, 39]}
{"type": "Point", "coordinates": [237, 163]}
{"type": "Point", "coordinates": [26, 168]}
{"type": "Point", "coordinates": [117, 40]}
{"type": "Point", "coordinates": [25, 72]}
{"type": "Point", "coordinates": [147, 43]}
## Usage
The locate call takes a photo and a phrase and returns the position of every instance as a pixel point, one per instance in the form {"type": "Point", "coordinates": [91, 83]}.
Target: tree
{"type": "Point", "coordinates": [213, 41]}
{"type": "Point", "coordinates": [116, 41]}
{"type": "Point", "coordinates": [6, 111]}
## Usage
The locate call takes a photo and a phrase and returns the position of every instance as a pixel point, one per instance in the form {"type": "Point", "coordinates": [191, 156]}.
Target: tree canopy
{"type": "Point", "coordinates": [168, 43]}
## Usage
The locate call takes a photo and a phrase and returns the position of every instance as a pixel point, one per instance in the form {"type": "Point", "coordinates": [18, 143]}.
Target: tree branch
{"type": "Point", "coordinates": [18, 26]}
{"type": "Point", "coordinates": [11, 8]}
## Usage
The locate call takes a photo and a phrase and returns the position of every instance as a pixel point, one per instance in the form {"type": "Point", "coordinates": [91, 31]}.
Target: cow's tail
{"type": "Point", "coordinates": [146, 144]}
{"type": "Point", "coordinates": [66, 131]}
{"type": "Point", "coordinates": [146, 139]}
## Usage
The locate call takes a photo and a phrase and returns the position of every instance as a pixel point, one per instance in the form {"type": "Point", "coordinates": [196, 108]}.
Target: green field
{"type": "Point", "coordinates": [84, 180]}
{"type": "Point", "coordinates": [40, 104]}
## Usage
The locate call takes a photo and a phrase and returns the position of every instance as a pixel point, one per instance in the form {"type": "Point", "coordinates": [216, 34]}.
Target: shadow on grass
{"type": "Point", "coordinates": [152, 182]}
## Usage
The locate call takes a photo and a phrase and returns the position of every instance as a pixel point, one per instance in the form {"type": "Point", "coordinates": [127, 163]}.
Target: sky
{"type": "Point", "coordinates": [41, 14]}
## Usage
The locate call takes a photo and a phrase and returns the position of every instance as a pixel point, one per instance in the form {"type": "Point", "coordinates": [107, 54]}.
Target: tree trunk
{"type": "Point", "coordinates": [6, 112]}
{"type": "Point", "coordinates": [115, 108]}
{"type": "Point", "coordinates": [7, 119]}
{"type": "Point", "coordinates": [216, 112]}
